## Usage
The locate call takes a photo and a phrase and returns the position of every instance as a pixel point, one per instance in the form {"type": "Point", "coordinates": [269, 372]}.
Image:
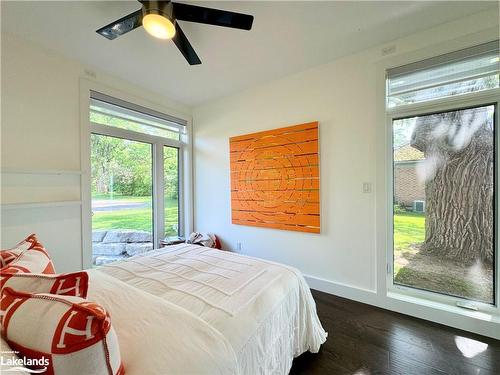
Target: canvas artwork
{"type": "Point", "coordinates": [275, 178]}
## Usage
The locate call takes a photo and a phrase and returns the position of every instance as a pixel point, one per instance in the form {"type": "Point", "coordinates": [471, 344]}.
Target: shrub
{"type": "Point", "coordinates": [399, 209]}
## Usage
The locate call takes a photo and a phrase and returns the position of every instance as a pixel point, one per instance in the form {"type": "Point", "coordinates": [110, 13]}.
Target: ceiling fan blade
{"type": "Point", "coordinates": [185, 47]}
{"type": "Point", "coordinates": [193, 13]}
{"type": "Point", "coordinates": [121, 26]}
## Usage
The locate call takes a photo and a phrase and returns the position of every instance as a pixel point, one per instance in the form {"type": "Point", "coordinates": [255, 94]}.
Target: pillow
{"type": "Point", "coordinates": [35, 259]}
{"type": "Point", "coordinates": [67, 284]}
{"type": "Point", "coordinates": [67, 335]}
{"type": "Point", "coordinates": [7, 256]}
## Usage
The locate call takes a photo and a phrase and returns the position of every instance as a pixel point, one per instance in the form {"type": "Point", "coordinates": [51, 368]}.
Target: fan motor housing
{"type": "Point", "coordinates": [162, 8]}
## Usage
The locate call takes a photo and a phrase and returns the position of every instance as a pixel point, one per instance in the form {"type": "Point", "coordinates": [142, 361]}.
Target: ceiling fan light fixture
{"type": "Point", "coordinates": [158, 26]}
{"type": "Point", "coordinates": [157, 19]}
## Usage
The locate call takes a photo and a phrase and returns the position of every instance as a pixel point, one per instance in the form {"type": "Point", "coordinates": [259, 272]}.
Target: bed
{"type": "Point", "coordinates": [187, 309]}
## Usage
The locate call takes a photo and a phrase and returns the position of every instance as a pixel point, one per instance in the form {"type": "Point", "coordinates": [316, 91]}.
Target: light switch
{"type": "Point", "coordinates": [367, 187]}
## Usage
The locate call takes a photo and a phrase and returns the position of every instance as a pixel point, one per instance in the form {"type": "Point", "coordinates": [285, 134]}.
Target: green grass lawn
{"type": "Point", "coordinates": [409, 228]}
{"type": "Point", "coordinates": [138, 219]}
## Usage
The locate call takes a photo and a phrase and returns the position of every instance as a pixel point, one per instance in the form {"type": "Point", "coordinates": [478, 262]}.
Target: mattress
{"type": "Point", "coordinates": [263, 311]}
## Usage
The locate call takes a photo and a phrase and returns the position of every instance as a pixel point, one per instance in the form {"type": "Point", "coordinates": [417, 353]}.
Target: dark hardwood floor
{"type": "Point", "coordinates": [363, 340]}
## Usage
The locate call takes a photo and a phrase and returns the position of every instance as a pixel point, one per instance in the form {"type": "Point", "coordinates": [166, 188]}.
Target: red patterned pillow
{"type": "Point", "coordinates": [67, 284]}
{"type": "Point", "coordinates": [67, 335]}
{"type": "Point", "coordinates": [7, 256]}
{"type": "Point", "coordinates": [35, 259]}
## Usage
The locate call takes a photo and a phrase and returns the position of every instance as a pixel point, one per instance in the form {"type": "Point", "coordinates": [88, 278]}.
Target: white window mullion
{"type": "Point", "coordinates": [390, 198]}
{"type": "Point", "coordinates": [181, 192]}
{"type": "Point", "coordinates": [132, 135]}
{"type": "Point", "coordinates": [158, 193]}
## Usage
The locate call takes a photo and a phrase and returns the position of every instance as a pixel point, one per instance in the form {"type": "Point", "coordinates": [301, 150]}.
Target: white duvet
{"type": "Point", "coordinates": [157, 337]}
{"type": "Point", "coordinates": [192, 310]}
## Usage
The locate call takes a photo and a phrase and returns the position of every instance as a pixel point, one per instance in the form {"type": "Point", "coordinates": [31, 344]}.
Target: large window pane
{"type": "Point", "coordinates": [171, 176]}
{"type": "Point", "coordinates": [122, 213]}
{"type": "Point", "coordinates": [444, 202]}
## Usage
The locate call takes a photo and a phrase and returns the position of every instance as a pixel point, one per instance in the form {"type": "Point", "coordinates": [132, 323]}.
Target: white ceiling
{"type": "Point", "coordinates": [286, 37]}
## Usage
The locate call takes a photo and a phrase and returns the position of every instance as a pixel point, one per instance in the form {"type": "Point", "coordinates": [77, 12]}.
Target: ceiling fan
{"type": "Point", "coordinates": [159, 18]}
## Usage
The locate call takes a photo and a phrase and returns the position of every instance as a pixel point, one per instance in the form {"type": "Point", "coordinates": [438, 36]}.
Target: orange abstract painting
{"type": "Point", "coordinates": [275, 178]}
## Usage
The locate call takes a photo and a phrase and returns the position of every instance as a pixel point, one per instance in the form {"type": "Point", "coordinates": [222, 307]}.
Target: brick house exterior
{"type": "Point", "coordinates": [407, 187]}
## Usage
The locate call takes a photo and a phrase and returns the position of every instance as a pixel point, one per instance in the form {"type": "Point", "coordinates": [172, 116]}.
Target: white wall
{"type": "Point", "coordinates": [339, 96]}
{"type": "Point", "coordinates": [345, 97]}
{"type": "Point", "coordinates": [40, 131]}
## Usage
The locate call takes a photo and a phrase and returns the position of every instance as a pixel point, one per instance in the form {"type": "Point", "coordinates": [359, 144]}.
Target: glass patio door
{"type": "Point", "coordinates": [122, 198]}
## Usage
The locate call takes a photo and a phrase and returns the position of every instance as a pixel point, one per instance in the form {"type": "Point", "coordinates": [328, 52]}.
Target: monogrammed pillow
{"type": "Point", "coordinates": [67, 284]}
{"type": "Point", "coordinates": [35, 259]}
{"type": "Point", "coordinates": [66, 335]}
{"type": "Point", "coordinates": [8, 255]}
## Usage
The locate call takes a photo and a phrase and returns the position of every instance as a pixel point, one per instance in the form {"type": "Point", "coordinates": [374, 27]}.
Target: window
{"type": "Point", "coordinates": [471, 70]}
{"type": "Point", "coordinates": [443, 197]}
{"type": "Point", "coordinates": [444, 171]}
{"type": "Point", "coordinates": [104, 113]}
{"type": "Point", "coordinates": [135, 178]}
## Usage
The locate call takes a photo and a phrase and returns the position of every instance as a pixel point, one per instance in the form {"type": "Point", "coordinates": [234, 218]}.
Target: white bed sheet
{"type": "Point", "coordinates": [264, 310]}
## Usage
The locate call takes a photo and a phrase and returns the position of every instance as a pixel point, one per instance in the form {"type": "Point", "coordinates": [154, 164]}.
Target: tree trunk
{"type": "Point", "coordinates": [458, 173]}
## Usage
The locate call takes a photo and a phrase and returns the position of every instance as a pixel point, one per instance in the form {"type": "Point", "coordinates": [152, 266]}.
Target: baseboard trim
{"type": "Point", "coordinates": [342, 290]}
{"type": "Point", "coordinates": [457, 319]}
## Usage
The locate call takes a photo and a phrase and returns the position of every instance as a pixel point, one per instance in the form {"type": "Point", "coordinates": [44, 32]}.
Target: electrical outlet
{"type": "Point", "coordinates": [238, 246]}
